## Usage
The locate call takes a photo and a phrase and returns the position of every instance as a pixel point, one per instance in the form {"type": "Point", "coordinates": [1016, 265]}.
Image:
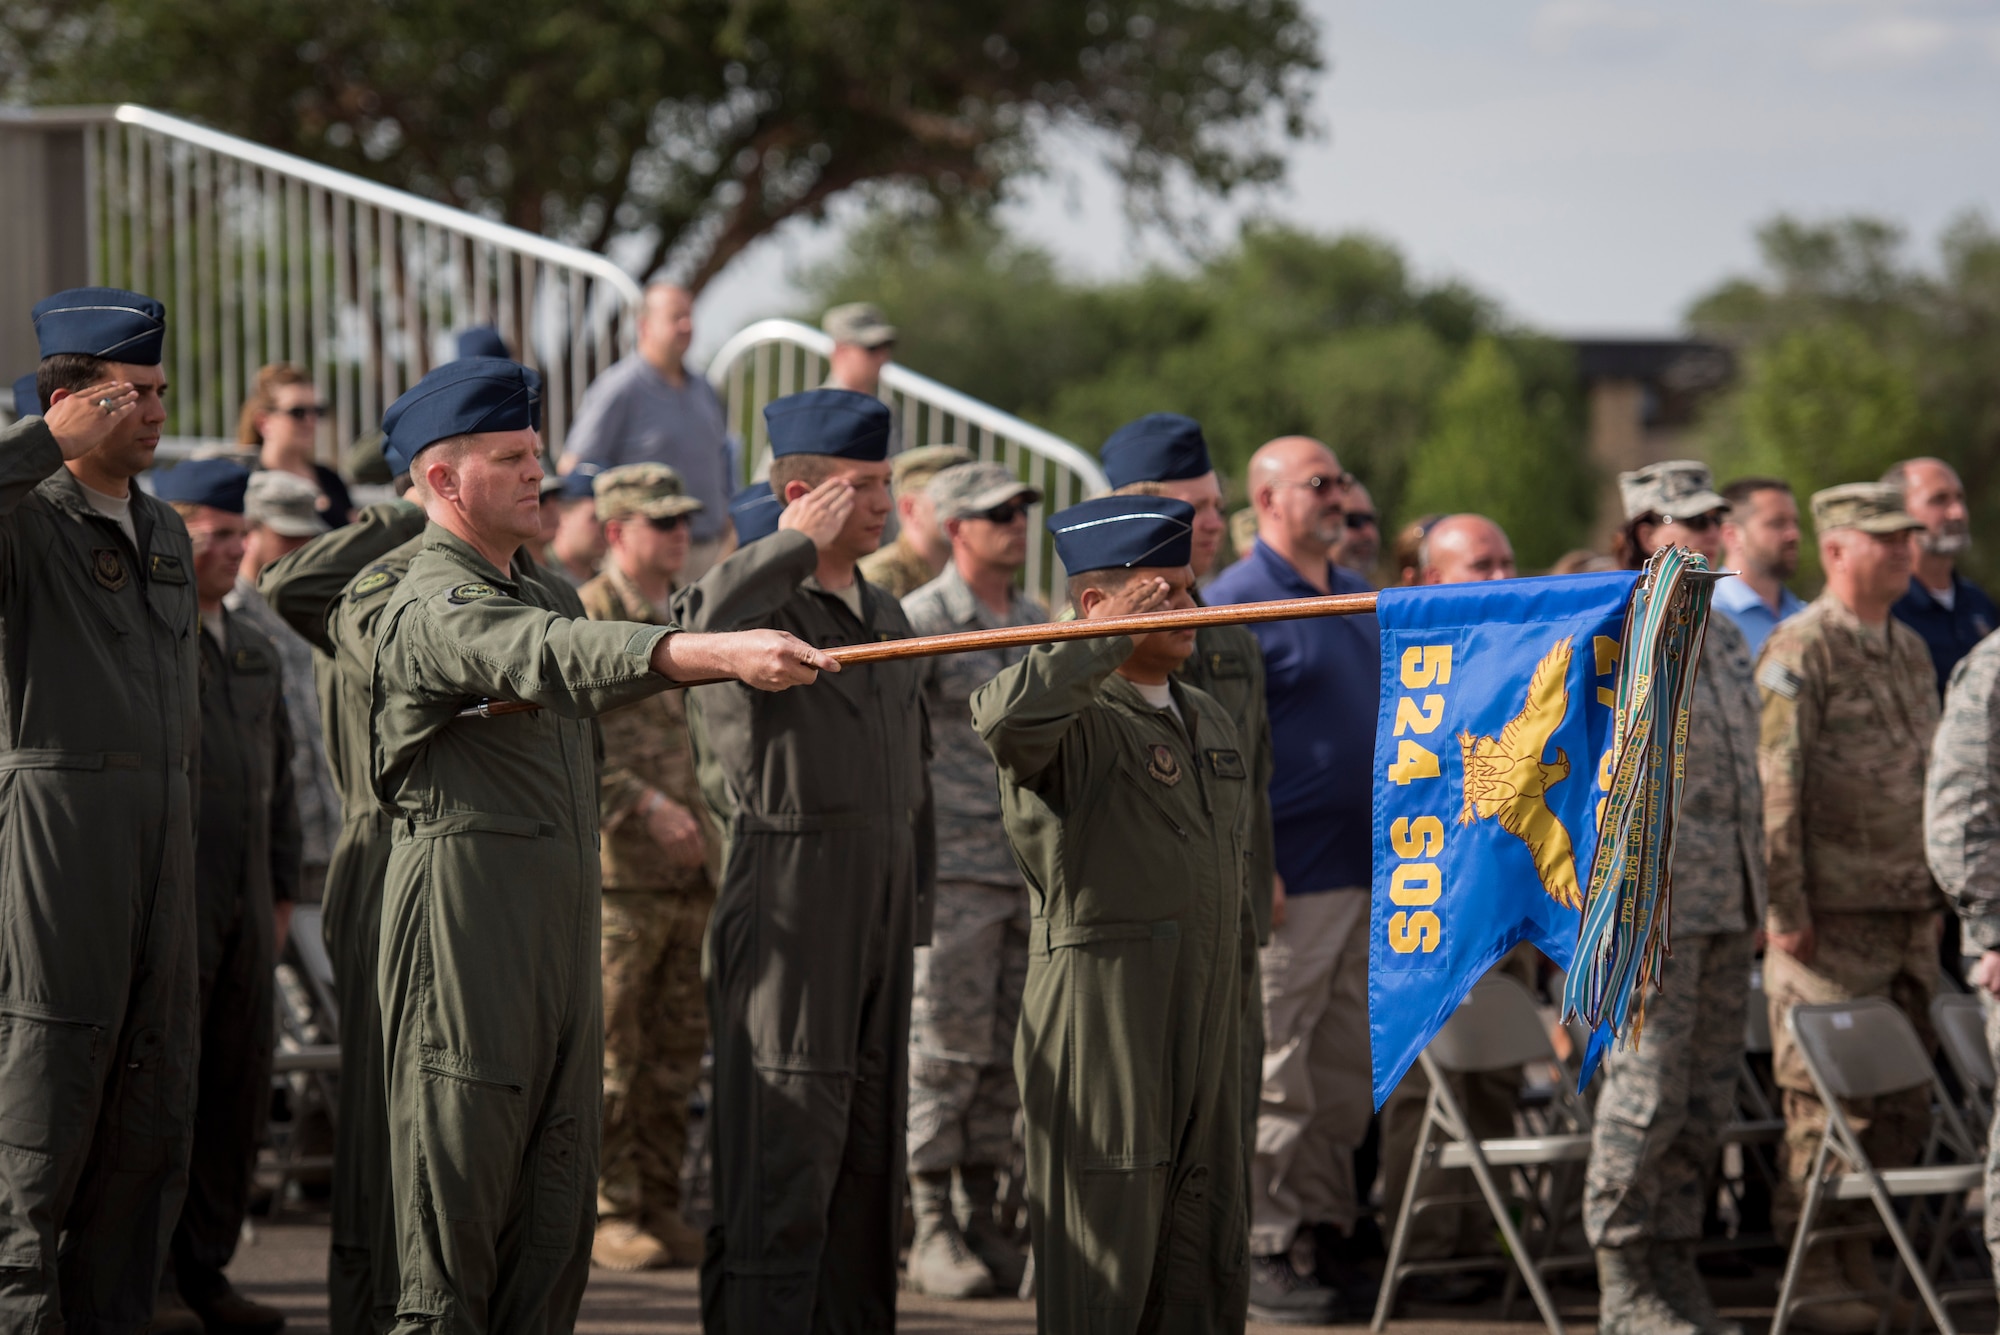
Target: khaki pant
{"type": "Point", "coordinates": [1317, 1073]}
{"type": "Point", "coordinates": [1888, 954]}
{"type": "Point", "coordinates": [655, 1025]}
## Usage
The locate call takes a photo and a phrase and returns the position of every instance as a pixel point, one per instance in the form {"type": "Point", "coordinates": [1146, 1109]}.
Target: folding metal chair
{"type": "Point", "coordinates": [306, 1063]}
{"type": "Point", "coordinates": [1494, 1029]}
{"type": "Point", "coordinates": [1861, 1050]}
{"type": "Point", "coordinates": [1961, 1030]}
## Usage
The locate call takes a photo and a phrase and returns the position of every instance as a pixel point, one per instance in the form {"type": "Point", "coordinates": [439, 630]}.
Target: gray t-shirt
{"type": "Point", "coordinates": [631, 415]}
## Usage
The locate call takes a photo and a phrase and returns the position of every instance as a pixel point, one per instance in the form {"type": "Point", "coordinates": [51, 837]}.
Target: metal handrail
{"type": "Point", "coordinates": [262, 257]}
{"type": "Point", "coordinates": [772, 358]}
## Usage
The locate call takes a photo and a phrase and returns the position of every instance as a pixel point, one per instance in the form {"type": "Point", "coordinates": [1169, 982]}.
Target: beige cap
{"type": "Point", "coordinates": [1872, 507]}
{"type": "Point", "coordinates": [1675, 489]}
{"type": "Point", "coordinates": [972, 489]}
{"type": "Point", "coordinates": [286, 504]}
{"type": "Point", "coordinates": [859, 322]}
{"type": "Point", "coordinates": [648, 491]}
{"type": "Point", "coordinates": [916, 468]}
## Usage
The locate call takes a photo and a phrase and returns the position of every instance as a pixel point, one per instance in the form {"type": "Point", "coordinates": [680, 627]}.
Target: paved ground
{"type": "Point", "coordinates": [286, 1265]}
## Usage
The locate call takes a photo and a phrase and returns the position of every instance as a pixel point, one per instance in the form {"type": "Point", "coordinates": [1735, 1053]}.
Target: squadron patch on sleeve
{"type": "Point", "coordinates": [469, 593]}
{"type": "Point", "coordinates": [372, 582]}
{"type": "Point", "coordinates": [1778, 679]}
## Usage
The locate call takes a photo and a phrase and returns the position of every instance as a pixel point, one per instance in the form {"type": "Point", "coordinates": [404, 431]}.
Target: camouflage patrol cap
{"type": "Point", "coordinates": [859, 322]}
{"type": "Point", "coordinates": [1872, 507]}
{"type": "Point", "coordinates": [1675, 489]}
{"type": "Point", "coordinates": [649, 491]}
{"type": "Point", "coordinates": [916, 468]}
{"type": "Point", "coordinates": [969, 490]}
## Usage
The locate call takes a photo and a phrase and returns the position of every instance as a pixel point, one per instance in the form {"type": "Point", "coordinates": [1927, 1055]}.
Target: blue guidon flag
{"type": "Point", "coordinates": [1499, 755]}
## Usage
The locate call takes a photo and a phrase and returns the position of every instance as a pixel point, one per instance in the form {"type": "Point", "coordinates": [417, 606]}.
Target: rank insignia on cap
{"type": "Point", "coordinates": [471, 593]}
{"type": "Point", "coordinates": [371, 582]}
{"type": "Point", "coordinates": [1161, 764]}
{"type": "Point", "coordinates": [109, 567]}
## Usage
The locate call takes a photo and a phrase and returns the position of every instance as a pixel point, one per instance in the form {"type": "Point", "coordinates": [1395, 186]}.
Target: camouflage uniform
{"type": "Point", "coordinates": [969, 979]}
{"type": "Point", "coordinates": [897, 568]}
{"type": "Point", "coordinates": [1848, 712]}
{"type": "Point", "coordinates": [1962, 835]}
{"type": "Point", "coordinates": [1663, 1103]}
{"type": "Point", "coordinates": [655, 1021]}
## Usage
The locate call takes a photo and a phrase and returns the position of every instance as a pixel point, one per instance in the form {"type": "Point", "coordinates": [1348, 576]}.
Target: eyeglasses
{"type": "Point", "coordinates": [665, 523]}
{"type": "Point", "coordinates": [1322, 482]}
{"type": "Point", "coordinates": [1361, 519]}
{"type": "Point", "coordinates": [1005, 513]}
{"type": "Point", "coordinates": [301, 412]}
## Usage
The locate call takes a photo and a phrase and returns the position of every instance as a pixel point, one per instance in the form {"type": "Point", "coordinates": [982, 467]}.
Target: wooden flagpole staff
{"type": "Point", "coordinates": [1049, 632]}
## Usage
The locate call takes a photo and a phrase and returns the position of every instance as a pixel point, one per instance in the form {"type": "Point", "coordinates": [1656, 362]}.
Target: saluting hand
{"type": "Point", "coordinates": [1139, 595]}
{"type": "Point", "coordinates": [821, 513]}
{"type": "Point", "coordinates": [82, 421]}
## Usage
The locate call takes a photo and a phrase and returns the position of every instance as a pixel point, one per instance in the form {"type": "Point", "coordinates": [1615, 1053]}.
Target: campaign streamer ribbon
{"type": "Point", "coordinates": [1624, 940]}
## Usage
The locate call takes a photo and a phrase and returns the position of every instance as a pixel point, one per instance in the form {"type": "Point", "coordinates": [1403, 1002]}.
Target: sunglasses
{"type": "Point", "coordinates": [303, 411]}
{"type": "Point", "coordinates": [1694, 523]}
{"type": "Point", "coordinates": [1361, 519]}
{"type": "Point", "coordinates": [665, 523]}
{"type": "Point", "coordinates": [1005, 513]}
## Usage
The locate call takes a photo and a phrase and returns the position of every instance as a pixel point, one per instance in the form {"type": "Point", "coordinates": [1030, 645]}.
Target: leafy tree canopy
{"type": "Point", "coordinates": [699, 125]}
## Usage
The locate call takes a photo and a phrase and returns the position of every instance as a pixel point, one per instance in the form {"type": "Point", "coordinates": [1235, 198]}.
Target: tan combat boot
{"type": "Point", "coordinates": [622, 1245]}
{"type": "Point", "coordinates": [1003, 1260]}
{"type": "Point", "coordinates": [1820, 1273]}
{"type": "Point", "coordinates": [682, 1239]}
{"type": "Point", "coordinates": [1629, 1299]}
{"type": "Point", "coordinates": [941, 1265]}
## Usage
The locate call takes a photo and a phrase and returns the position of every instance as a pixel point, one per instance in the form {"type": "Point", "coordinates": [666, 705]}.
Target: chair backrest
{"type": "Point", "coordinates": [309, 946]}
{"type": "Point", "coordinates": [1861, 1049]}
{"type": "Point", "coordinates": [1494, 1028]}
{"type": "Point", "coordinates": [1757, 1015]}
{"type": "Point", "coordinates": [1961, 1028]}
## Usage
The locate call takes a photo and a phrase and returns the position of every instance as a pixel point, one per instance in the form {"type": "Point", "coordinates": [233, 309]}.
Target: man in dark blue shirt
{"type": "Point", "coordinates": [1323, 685]}
{"type": "Point", "coordinates": [1948, 610]}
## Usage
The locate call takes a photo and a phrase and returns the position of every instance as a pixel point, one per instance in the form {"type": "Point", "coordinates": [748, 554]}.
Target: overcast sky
{"type": "Point", "coordinates": [1593, 164]}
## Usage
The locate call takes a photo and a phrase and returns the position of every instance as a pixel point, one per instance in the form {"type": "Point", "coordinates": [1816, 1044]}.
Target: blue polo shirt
{"type": "Point", "coordinates": [1752, 615]}
{"type": "Point", "coordinates": [1323, 683]}
{"type": "Point", "coordinates": [1949, 632]}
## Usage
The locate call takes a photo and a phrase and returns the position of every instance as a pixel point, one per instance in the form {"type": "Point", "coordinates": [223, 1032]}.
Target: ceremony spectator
{"type": "Point", "coordinates": [652, 407]}
{"type": "Point", "coordinates": [967, 998]}
{"type": "Point", "coordinates": [281, 512]}
{"type": "Point", "coordinates": [1948, 610]}
{"type": "Point", "coordinates": [1361, 545]}
{"type": "Point", "coordinates": [1462, 549]}
{"type": "Point", "coordinates": [1322, 678]}
{"type": "Point", "coordinates": [863, 343]}
{"type": "Point", "coordinates": [1849, 706]}
{"type": "Point", "coordinates": [1407, 554]}
{"type": "Point", "coordinates": [577, 547]}
{"type": "Point", "coordinates": [281, 418]}
{"type": "Point", "coordinates": [1243, 531]}
{"type": "Point", "coordinates": [1760, 542]}
{"type": "Point", "coordinates": [921, 548]}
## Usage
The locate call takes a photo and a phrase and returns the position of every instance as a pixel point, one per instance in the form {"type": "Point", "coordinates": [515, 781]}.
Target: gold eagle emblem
{"type": "Point", "coordinates": [1507, 780]}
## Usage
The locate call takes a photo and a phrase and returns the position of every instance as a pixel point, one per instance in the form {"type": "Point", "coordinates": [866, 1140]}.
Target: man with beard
{"type": "Point", "coordinates": [1760, 542]}
{"type": "Point", "coordinates": [1947, 609]}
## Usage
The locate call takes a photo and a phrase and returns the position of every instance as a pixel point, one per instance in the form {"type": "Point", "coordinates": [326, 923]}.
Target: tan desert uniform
{"type": "Point", "coordinates": [823, 796]}
{"type": "Point", "coordinates": [98, 716]}
{"type": "Point", "coordinates": [655, 1020]}
{"type": "Point", "coordinates": [1133, 830]}
{"type": "Point", "coordinates": [332, 592]}
{"type": "Point", "coordinates": [1848, 713]}
{"type": "Point", "coordinates": [489, 973]}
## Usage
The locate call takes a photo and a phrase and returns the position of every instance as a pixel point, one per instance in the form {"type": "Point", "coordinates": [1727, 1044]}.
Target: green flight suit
{"type": "Point", "coordinates": [332, 591]}
{"type": "Point", "coordinates": [1133, 829]}
{"type": "Point", "coordinates": [823, 794]}
{"type": "Point", "coordinates": [99, 715]}
{"type": "Point", "coordinates": [491, 1003]}
{"type": "Point", "coordinates": [247, 849]}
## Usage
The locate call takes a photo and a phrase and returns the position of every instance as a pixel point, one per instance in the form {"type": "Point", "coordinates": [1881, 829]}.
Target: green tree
{"type": "Point", "coordinates": [1508, 453]}
{"type": "Point", "coordinates": [699, 125]}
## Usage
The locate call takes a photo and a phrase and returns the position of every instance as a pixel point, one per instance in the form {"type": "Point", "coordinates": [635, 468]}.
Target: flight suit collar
{"type": "Point", "coordinates": [1127, 695]}
{"type": "Point", "coordinates": [439, 538]}
{"type": "Point", "coordinates": [62, 490]}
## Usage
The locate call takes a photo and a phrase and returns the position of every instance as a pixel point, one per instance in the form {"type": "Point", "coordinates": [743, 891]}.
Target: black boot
{"type": "Point", "coordinates": [1284, 1297]}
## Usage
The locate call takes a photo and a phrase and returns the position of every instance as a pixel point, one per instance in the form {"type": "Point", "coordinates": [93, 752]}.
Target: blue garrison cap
{"type": "Point", "coordinates": [1159, 447]}
{"type": "Point", "coordinates": [483, 340]}
{"type": "Point", "coordinates": [755, 512]}
{"type": "Point", "coordinates": [580, 484]}
{"type": "Point", "coordinates": [1120, 532]}
{"type": "Point", "coordinates": [106, 322]}
{"type": "Point", "coordinates": [216, 483]}
{"type": "Point", "coordinates": [27, 398]}
{"type": "Point", "coordinates": [838, 422]}
{"type": "Point", "coordinates": [460, 398]}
